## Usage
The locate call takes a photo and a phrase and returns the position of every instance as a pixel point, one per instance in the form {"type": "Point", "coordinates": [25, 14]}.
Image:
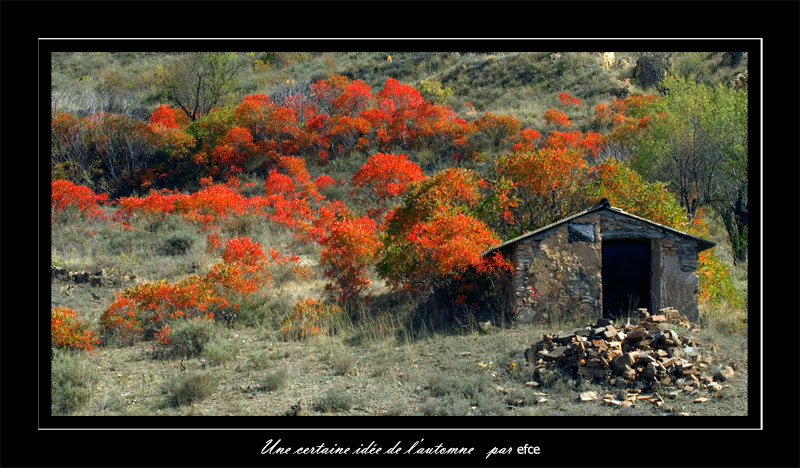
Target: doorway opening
{"type": "Point", "coordinates": [626, 276]}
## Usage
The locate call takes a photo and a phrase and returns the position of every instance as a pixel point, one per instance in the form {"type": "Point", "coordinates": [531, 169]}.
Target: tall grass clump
{"type": "Point", "coordinates": [343, 363]}
{"type": "Point", "coordinates": [72, 381]}
{"type": "Point", "coordinates": [274, 380]}
{"type": "Point", "coordinates": [186, 388]}
{"type": "Point", "coordinates": [723, 318]}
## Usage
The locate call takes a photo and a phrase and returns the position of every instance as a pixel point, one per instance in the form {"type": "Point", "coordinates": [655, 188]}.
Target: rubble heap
{"type": "Point", "coordinates": [641, 353]}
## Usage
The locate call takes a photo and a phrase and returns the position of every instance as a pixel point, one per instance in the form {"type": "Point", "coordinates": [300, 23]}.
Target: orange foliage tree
{"type": "Point", "coordinates": [349, 246]}
{"type": "Point", "coordinates": [435, 234]}
{"type": "Point", "coordinates": [384, 177]}
{"type": "Point", "coordinates": [544, 184]}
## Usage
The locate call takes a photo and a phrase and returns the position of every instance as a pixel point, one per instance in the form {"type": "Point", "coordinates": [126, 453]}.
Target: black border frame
{"type": "Point", "coordinates": [752, 420]}
{"type": "Point", "coordinates": [566, 441]}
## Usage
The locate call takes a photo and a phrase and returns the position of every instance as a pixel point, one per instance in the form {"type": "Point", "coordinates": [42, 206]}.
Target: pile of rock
{"type": "Point", "coordinates": [639, 355]}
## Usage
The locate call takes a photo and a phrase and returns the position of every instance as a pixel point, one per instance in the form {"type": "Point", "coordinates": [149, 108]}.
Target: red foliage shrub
{"type": "Point", "coordinates": [557, 118]}
{"type": "Point", "coordinates": [526, 140]}
{"type": "Point", "coordinates": [156, 204]}
{"type": "Point", "coordinates": [144, 309]}
{"type": "Point", "coordinates": [349, 247]}
{"type": "Point", "coordinates": [602, 113]}
{"type": "Point", "coordinates": [168, 117]}
{"type": "Point", "coordinates": [433, 236]}
{"type": "Point", "coordinates": [322, 182]}
{"type": "Point", "coordinates": [302, 107]}
{"type": "Point", "coordinates": [354, 99]}
{"type": "Point", "coordinates": [65, 195]}
{"type": "Point", "coordinates": [212, 204]}
{"type": "Point", "coordinates": [588, 144]}
{"type": "Point", "coordinates": [67, 331]}
{"type": "Point", "coordinates": [566, 100]}
{"type": "Point", "coordinates": [497, 129]}
{"type": "Point", "coordinates": [147, 308]}
{"type": "Point", "coordinates": [385, 176]}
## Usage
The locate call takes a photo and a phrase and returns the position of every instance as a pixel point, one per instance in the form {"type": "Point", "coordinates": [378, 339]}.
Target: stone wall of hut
{"type": "Point", "coordinates": [558, 272]}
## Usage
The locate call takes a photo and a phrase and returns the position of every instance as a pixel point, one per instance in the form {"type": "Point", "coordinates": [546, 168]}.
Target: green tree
{"type": "Point", "coordinates": [697, 142]}
{"type": "Point", "coordinates": [197, 82]}
{"type": "Point", "coordinates": [434, 92]}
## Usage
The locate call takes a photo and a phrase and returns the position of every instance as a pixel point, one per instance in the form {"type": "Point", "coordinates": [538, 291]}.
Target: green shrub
{"type": "Point", "coordinates": [274, 380]}
{"type": "Point", "coordinates": [335, 400]}
{"type": "Point", "coordinates": [434, 92]}
{"type": "Point", "coordinates": [549, 377]}
{"type": "Point", "coordinates": [431, 407]}
{"type": "Point", "coordinates": [219, 350]}
{"type": "Point", "coordinates": [457, 385]}
{"type": "Point", "coordinates": [242, 225]}
{"type": "Point", "coordinates": [111, 403]}
{"type": "Point", "coordinates": [343, 363]}
{"type": "Point", "coordinates": [447, 406]}
{"type": "Point", "coordinates": [187, 339]}
{"type": "Point", "coordinates": [258, 310]}
{"type": "Point", "coordinates": [259, 359]}
{"type": "Point", "coordinates": [185, 388]}
{"type": "Point", "coordinates": [491, 408]}
{"type": "Point", "coordinates": [119, 245]}
{"type": "Point", "coordinates": [178, 243]}
{"type": "Point", "coordinates": [397, 409]}
{"type": "Point", "coordinates": [72, 380]}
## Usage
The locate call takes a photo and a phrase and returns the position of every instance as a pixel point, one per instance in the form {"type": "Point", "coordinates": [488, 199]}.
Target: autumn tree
{"type": "Point", "coordinates": [382, 178]}
{"type": "Point", "coordinates": [545, 182]}
{"type": "Point", "coordinates": [350, 244]}
{"type": "Point", "coordinates": [435, 234]}
{"type": "Point", "coordinates": [199, 81]}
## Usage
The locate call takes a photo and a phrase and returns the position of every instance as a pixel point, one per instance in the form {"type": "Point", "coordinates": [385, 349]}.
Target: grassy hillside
{"type": "Point", "coordinates": [522, 84]}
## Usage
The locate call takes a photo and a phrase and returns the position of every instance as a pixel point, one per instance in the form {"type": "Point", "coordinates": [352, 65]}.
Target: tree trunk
{"type": "Point", "coordinates": [740, 218]}
{"type": "Point", "coordinates": [735, 220]}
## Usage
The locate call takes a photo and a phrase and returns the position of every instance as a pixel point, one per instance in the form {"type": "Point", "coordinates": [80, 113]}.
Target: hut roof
{"type": "Point", "coordinates": [603, 205]}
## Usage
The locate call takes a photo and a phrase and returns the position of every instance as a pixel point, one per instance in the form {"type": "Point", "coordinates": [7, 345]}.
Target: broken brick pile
{"type": "Point", "coordinates": [641, 353]}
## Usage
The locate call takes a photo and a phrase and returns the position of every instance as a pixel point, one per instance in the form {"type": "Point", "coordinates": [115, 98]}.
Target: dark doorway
{"type": "Point", "coordinates": [626, 276]}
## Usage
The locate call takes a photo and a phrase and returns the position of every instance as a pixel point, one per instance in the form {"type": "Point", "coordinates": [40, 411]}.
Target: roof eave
{"type": "Point", "coordinates": [703, 244]}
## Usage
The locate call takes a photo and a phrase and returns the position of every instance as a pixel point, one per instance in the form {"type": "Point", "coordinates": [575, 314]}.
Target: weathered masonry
{"type": "Point", "coordinates": [602, 262]}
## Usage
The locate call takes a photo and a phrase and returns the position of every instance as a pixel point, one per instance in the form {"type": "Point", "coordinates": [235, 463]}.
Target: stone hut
{"type": "Point", "coordinates": [602, 262]}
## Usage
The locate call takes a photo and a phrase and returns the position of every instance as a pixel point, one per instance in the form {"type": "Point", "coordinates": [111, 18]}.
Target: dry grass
{"type": "Point", "coordinates": [429, 376]}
